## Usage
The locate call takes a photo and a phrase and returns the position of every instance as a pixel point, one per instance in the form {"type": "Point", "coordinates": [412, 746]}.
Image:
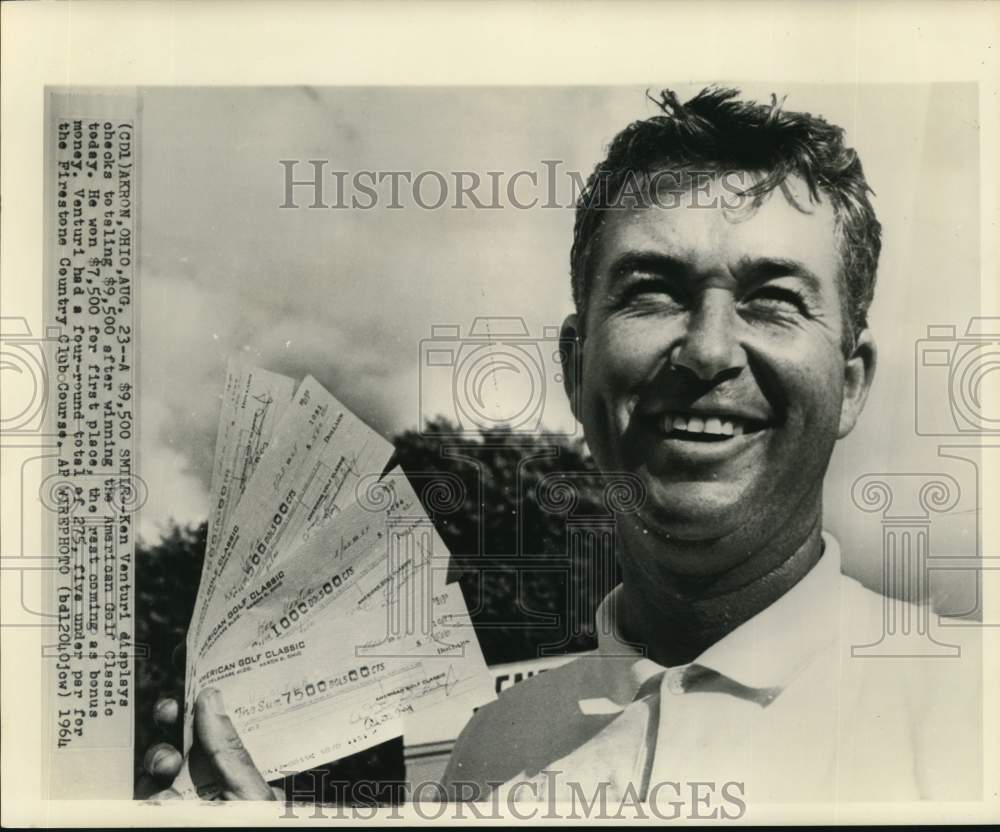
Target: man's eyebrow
{"type": "Point", "coordinates": [762, 269]}
{"type": "Point", "coordinates": [647, 261]}
{"type": "Point", "coordinates": [753, 270]}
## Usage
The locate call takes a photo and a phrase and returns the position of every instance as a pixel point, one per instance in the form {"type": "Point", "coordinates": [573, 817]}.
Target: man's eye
{"type": "Point", "coordinates": [778, 299]}
{"type": "Point", "coordinates": [649, 289]}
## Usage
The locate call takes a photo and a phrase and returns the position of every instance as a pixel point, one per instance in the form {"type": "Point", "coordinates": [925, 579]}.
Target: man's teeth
{"type": "Point", "coordinates": [712, 425]}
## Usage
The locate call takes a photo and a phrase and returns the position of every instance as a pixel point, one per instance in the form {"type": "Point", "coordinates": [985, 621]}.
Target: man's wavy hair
{"type": "Point", "coordinates": [717, 133]}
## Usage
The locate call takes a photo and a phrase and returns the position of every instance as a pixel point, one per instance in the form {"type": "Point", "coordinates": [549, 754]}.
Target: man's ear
{"type": "Point", "coordinates": [571, 352]}
{"type": "Point", "coordinates": [859, 370]}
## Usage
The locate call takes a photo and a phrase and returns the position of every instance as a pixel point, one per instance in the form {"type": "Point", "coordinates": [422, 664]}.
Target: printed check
{"type": "Point", "coordinates": [305, 700]}
{"type": "Point", "coordinates": [252, 404]}
{"type": "Point", "coordinates": [371, 555]}
{"type": "Point", "coordinates": [324, 616]}
{"type": "Point", "coordinates": [319, 450]}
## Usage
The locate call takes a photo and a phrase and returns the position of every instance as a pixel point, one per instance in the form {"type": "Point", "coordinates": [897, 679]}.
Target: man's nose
{"type": "Point", "coordinates": [710, 346]}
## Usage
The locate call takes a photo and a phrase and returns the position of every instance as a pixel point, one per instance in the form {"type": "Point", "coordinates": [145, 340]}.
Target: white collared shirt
{"type": "Point", "coordinates": [779, 705]}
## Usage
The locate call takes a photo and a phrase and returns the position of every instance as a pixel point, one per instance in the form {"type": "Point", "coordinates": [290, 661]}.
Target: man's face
{"type": "Point", "coordinates": [713, 366]}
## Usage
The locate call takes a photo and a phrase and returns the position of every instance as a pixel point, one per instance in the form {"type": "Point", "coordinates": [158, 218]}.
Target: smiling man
{"type": "Point", "coordinates": [723, 263]}
{"type": "Point", "coordinates": [724, 259]}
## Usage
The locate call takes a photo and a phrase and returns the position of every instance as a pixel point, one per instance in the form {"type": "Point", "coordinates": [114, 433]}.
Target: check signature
{"type": "Point", "coordinates": [419, 692]}
{"type": "Point", "coordinates": [405, 703]}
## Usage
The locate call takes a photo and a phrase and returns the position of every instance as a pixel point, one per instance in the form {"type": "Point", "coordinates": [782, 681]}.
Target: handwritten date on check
{"type": "Point", "coordinates": [323, 614]}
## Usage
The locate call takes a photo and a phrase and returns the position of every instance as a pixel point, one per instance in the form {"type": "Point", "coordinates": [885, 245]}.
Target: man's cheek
{"type": "Point", "coordinates": [599, 420]}
{"type": "Point", "coordinates": [628, 374]}
{"type": "Point", "coordinates": [611, 399]}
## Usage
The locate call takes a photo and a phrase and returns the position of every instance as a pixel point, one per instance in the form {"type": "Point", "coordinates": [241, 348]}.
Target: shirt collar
{"type": "Point", "coordinates": [767, 650]}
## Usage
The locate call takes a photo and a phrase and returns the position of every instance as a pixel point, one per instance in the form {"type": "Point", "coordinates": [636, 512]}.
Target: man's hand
{"type": "Point", "coordinates": [216, 741]}
{"type": "Point", "coordinates": [162, 761]}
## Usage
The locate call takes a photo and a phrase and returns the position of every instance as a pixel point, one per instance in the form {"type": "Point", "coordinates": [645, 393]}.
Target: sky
{"type": "Point", "coordinates": [350, 296]}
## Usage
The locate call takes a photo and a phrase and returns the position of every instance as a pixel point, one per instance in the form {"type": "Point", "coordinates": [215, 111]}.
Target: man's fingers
{"type": "Point", "coordinates": [166, 713]}
{"type": "Point", "coordinates": [222, 745]}
{"type": "Point", "coordinates": [163, 761]}
{"type": "Point", "coordinates": [166, 794]}
{"type": "Point", "coordinates": [146, 786]}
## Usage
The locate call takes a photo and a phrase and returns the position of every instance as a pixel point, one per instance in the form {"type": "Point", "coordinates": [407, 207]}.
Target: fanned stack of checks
{"type": "Point", "coordinates": [323, 614]}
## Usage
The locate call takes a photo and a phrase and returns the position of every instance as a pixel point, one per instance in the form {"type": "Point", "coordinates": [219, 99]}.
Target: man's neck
{"type": "Point", "coordinates": [678, 618]}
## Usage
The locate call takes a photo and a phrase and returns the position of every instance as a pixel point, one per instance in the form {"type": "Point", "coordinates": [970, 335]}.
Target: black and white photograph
{"type": "Point", "coordinates": [556, 448]}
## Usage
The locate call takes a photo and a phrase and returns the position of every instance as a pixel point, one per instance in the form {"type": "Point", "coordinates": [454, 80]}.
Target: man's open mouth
{"type": "Point", "coordinates": [705, 428]}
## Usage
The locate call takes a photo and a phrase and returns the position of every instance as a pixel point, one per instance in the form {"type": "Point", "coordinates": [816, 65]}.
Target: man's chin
{"type": "Point", "coordinates": [693, 511]}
